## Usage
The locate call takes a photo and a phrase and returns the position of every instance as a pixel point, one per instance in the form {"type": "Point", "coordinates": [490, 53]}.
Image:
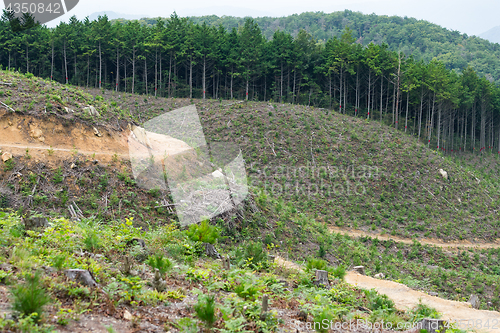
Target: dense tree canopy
{"type": "Point", "coordinates": [449, 109]}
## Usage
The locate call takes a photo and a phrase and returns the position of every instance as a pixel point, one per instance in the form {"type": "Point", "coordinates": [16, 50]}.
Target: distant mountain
{"type": "Point", "coordinates": [493, 35]}
{"type": "Point", "coordinates": [114, 15]}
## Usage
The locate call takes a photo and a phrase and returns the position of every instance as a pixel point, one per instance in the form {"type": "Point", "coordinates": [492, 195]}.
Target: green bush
{"type": "Point", "coordinates": [422, 311]}
{"type": "Point", "coordinates": [205, 310]}
{"type": "Point", "coordinates": [160, 263]}
{"type": "Point", "coordinates": [315, 263]}
{"type": "Point", "coordinates": [252, 256]}
{"type": "Point", "coordinates": [30, 297]}
{"type": "Point", "coordinates": [92, 241]}
{"type": "Point", "coordinates": [377, 301]}
{"type": "Point", "coordinates": [338, 272]}
{"type": "Point", "coordinates": [204, 232]}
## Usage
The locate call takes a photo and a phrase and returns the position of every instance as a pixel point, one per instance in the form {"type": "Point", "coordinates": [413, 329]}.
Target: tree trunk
{"type": "Point", "coordinates": [406, 117]}
{"type": "Point", "coordinates": [117, 69]}
{"type": "Point", "coordinates": [369, 91]}
{"type": "Point", "coordinates": [88, 70]}
{"type": "Point", "coordinates": [246, 89]}
{"type": "Point", "coordinates": [381, 95]}
{"type": "Point", "coordinates": [51, 66]}
{"type": "Point", "coordinates": [156, 70]}
{"type": "Point", "coordinates": [420, 114]}
{"type": "Point", "coordinates": [397, 89]}
{"type": "Point", "coordinates": [100, 65]}
{"type": "Point", "coordinates": [203, 83]}
{"type": "Point", "coordinates": [191, 77]}
{"type": "Point", "coordinates": [65, 62]}
{"type": "Point", "coordinates": [231, 84]}
{"type": "Point", "coordinates": [169, 75]}
{"type": "Point", "coordinates": [146, 73]}
{"type": "Point", "coordinates": [133, 69]}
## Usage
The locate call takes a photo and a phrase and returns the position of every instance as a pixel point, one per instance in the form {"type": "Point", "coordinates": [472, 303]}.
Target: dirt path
{"type": "Point", "coordinates": [405, 298]}
{"type": "Point", "coordinates": [428, 241]}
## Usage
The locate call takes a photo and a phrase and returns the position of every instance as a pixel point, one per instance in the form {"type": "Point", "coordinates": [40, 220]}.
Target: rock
{"type": "Point", "coordinates": [433, 293]}
{"type": "Point", "coordinates": [36, 222]}
{"type": "Point", "coordinates": [95, 161]}
{"type": "Point", "coordinates": [6, 156]}
{"type": "Point", "coordinates": [474, 301]}
{"type": "Point", "coordinates": [379, 276]}
{"type": "Point", "coordinates": [82, 276]}
{"type": "Point", "coordinates": [217, 173]}
{"type": "Point", "coordinates": [489, 304]}
{"type": "Point", "coordinates": [148, 327]}
{"type": "Point", "coordinates": [127, 315]}
{"type": "Point", "coordinates": [73, 165]}
{"type": "Point", "coordinates": [359, 269]}
{"type": "Point", "coordinates": [91, 111]}
{"type": "Point", "coordinates": [68, 110]}
{"type": "Point", "coordinates": [96, 132]}
{"type": "Point", "coordinates": [36, 133]}
{"type": "Point", "coordinates": [443, 173]}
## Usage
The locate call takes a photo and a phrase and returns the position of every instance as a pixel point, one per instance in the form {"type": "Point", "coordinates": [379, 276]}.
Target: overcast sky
{"type": "Point", "coordinates": [471, 17]}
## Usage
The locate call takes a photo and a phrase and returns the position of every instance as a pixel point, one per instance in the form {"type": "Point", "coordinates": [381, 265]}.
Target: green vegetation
{"type": "Point", "coordinates": [227, 299]}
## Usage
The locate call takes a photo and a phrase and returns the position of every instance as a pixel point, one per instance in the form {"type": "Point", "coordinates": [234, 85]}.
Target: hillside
{"type": "Point", "coordinates": [60, 160]}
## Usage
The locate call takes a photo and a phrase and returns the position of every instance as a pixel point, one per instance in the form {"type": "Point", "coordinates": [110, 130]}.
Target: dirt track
{"type": "Point", "coordinates": [428, 241]}
{"type": "Point", "coordinates": [405, 298]}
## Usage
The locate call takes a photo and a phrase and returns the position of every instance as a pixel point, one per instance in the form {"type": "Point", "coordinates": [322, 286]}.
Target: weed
{"type": "Point", "coordinates": [9, 165]}
{"type": "Point", "coordinates": [92, 241]}
{"type": "Point", "coordinates": [30, 297]}
{"type": "Point", "coordinates": [58, 176]}
{"type": "Point", "coordinates": [204, 232]}
{"type": "Point", "coordinates": [205, 310]}
{"type": "Point", "coordinates": [252, 256]}
{"type": "Point", "coordinates": [160, 263]}
{"type": "Point", "coordinates": [316, 264]}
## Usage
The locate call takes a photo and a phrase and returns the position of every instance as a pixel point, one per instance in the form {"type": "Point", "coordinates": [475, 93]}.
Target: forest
{"type": "Point", "coordinates": [452, 110]}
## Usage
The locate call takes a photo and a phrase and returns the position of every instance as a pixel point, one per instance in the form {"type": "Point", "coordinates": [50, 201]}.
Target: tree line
{"type": "Point", "coordinates": [450, 110]}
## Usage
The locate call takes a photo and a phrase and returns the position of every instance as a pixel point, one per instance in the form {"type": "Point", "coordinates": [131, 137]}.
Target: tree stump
{"type": "Point", "coordinates": [82, 276]}
{"type": "Point", "coordinates": [137, 241]}
{"type": "Point", "coordinates": [474, 301]}
{"type": "Point", "coordinates": [226, 263]}
{"type": "Point", "coordinates": [321, 278]}
{"type": "Point", "coordinates": [211, 251]}
{"type": "Point", "coordinates": [432, 325]}
{"type": "Point", "coordinates": [36, 222]}
{"type": "Point", "coordinates": [359, 269]}
{"type": "Point", "coordinates": [265, 303]}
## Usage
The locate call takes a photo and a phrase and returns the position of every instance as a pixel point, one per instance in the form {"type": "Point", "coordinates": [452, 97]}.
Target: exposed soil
{"type": "Point", "coordinates": [405, 298]}
{"type": "Point", "coordinates": [426, 241]}
{"type": "Point", "coordinates": [43, 137]}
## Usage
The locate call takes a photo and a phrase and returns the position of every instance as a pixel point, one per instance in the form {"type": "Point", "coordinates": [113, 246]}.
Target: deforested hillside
{"type": "Point", "coordinates": [313, 174]}
{"type": "Point", "coordinates": [343, 170]}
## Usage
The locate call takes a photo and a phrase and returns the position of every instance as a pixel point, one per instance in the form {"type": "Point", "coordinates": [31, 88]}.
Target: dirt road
{"type": "Point", "coordinates": [428, 241]}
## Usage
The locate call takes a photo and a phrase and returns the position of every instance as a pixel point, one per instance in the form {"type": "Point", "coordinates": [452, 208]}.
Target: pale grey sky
{"type": "Point", "coordinates": [471, 17]}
